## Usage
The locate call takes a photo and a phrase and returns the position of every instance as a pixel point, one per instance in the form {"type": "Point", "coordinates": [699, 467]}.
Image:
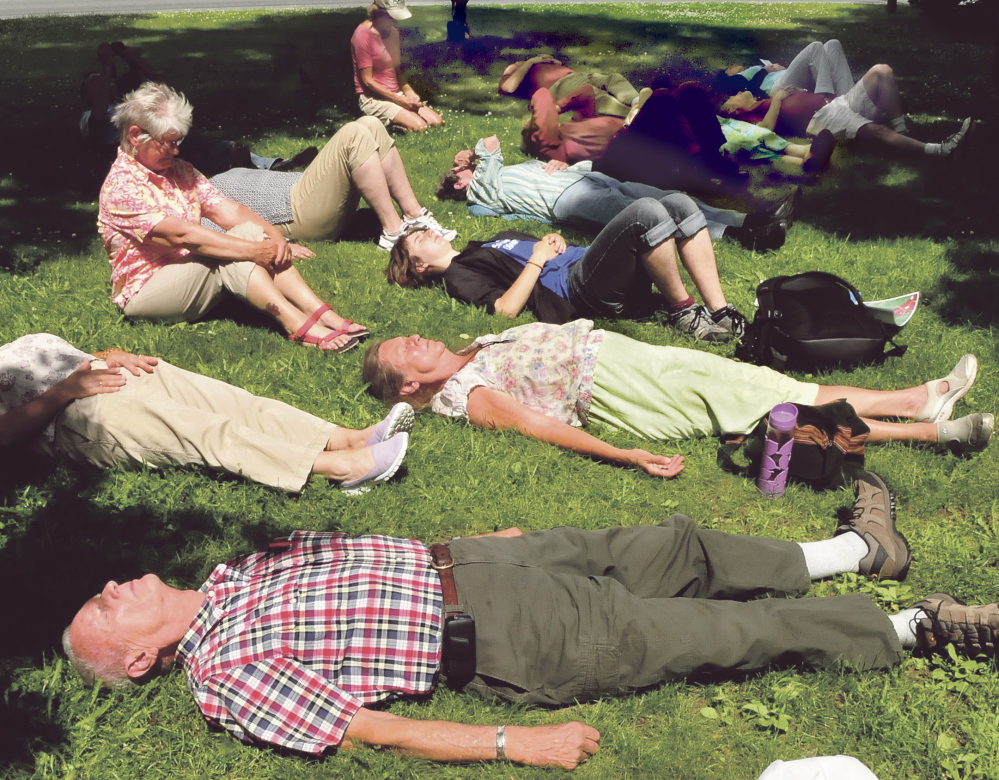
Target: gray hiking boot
{"type": "Point", "coordinates": [971, 629]}
{"type": "Point", "coordinates": [696, 321]}
{"type": "Point", "coordinates": [873, 520]}
{"type": "Point", "coordinates": [967, 434]}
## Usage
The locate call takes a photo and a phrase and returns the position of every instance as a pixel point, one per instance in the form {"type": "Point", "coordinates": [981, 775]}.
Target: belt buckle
{"type": "Point", "coordinates": [441, 567]}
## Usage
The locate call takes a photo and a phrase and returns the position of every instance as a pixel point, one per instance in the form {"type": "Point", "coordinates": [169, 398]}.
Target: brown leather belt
{"type": "Point", "coordinates": [440, 559]}
{"type": "Point", "coordinates": [458, 657]}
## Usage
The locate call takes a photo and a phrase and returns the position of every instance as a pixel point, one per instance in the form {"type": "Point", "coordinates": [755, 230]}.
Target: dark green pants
{"type": "Point", "coordinates": [566, 615]}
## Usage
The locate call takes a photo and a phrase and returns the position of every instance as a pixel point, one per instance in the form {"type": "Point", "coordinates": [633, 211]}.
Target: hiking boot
{"type": "Point", "coordinates": [426, 221]}
{"type": "Point", "coordinates": [873, 520]}
{"type": "Point", "coordinates": [946, 620]}
{"type": "Point", "coordinates": [696, 321]}
{"type": "Point", "coordinates": [966, 434]}
{"type": "Point", "coordinates": [731, 320]}
{"type": "Point", "coordinates": [954, 145]}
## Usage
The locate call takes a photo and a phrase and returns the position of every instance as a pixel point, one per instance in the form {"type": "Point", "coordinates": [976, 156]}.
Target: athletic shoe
{"type": "Point", "coordinates": [940, 406]}
{"type": "Point", "coordinates": [426, 221]}
{"type": "Point", "coordinates": [873, 520]}
{"type": "Point", "coordinates": [389, 455]}
{"type": "Point", "coordinates": [953, 145]}
{"type": "Point", "coordinates": [388, 240]}
{"type": "Point", "coordinates": [946, 620]}
{"type": "Point", "coordinates": [398, 420]}
{"type": "Point", "coordinates": [967, 434]}
{"type": "Point", "coordinates": [696, 321]}
{"type": "Point", "coordinates": [731, 320]}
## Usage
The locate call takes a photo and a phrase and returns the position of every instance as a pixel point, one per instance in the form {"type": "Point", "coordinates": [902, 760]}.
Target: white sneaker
{"type": "Point", "coordinates": [426, 220]}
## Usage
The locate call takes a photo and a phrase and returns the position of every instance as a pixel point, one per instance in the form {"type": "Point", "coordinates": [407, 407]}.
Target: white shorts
{"type": "Point", "coordinates": [845, 115]}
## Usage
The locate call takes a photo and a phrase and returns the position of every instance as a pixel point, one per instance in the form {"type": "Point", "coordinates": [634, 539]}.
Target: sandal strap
{"type": "Point", "coordinates": [299, 334]}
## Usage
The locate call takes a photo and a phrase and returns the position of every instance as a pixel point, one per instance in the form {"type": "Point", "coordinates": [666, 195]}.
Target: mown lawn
{"type": "Point", "coordinates": [280, 80]}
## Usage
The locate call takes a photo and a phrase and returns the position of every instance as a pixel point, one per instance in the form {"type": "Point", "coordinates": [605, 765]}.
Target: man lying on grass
{"type": "Point", "coordinates": [548, 381]}
{"type": "Point", "coordinates": [296, 645]}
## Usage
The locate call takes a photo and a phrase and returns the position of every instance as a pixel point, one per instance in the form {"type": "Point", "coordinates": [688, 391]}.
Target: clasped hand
{"type": "Point", "coordinates": [87, 381]}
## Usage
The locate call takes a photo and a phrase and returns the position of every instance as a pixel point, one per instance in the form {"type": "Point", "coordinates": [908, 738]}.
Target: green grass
{"type": "Point", "coordinates": [889, 225]}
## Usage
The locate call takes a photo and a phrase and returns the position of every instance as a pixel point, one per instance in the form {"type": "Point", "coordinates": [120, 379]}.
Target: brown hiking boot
{"type": "Point", "coordinates": [971, 629]}
{"type": "Point", "coordinates": [873, 519]}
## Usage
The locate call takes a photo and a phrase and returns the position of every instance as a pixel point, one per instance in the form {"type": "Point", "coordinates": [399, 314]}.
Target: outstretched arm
{"type": "Point", "coordinates": [490, 408]}
{"type": "Point", "coordinates": [565, 745]}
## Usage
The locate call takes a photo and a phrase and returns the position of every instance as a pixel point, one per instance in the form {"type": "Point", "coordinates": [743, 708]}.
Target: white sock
{"type": "Point", "coordinates": [899, 126]}
{"type": "Point", "coordinates": [934, 149]}
{"type": "Point", "coordinates": [833, 556]}
{"type": "Point", "coordinates": [904, 624]}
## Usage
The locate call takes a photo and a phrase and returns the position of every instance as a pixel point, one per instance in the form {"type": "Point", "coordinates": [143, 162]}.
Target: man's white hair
{"type": "Point", "coordinates": [108, 667]}
{"type": "Point", "coordinates": [157, 109]}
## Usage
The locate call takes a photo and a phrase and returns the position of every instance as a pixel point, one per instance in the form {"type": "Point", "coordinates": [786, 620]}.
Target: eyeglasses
{"type": "Point", "coordinates": [165, 144]}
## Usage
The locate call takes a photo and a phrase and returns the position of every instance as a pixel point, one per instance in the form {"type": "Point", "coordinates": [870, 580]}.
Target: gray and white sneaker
{"type": "Point", "coordinates": [967, 434]}
{"type": "Point", "coordinates": [731, 320]}
{"type": "Point", "coordinates": [696, 321]}
{"type": "Point", "coordinates": [953, 145]}
{"type": "Point", "coordinates": [426, 221]}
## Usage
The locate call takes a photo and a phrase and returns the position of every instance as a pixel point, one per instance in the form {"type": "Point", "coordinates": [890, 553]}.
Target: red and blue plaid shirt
{"type": "Point", "coordinates": [289, 645]}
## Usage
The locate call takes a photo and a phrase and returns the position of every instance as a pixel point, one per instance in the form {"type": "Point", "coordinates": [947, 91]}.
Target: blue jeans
{"type": "Point", "coordinates": [610, 280]}
{"type": "Point", "coordinates": [598, 198]}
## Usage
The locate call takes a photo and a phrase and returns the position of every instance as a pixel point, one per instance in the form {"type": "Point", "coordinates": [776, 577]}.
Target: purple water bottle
{"type": "Point", "coordinates": [777, 450]}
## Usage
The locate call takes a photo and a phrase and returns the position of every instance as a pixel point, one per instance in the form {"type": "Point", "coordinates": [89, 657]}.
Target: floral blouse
{"type": "Point", "coordinates": [133, 201]}
{"type": "Point", "coordinates": [548, 368]}
{"type": "Point", "coordinates": [32, 365]}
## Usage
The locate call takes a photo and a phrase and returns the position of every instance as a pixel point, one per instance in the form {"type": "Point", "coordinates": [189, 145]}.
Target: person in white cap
{"type": "Point", "coordinates": [381, 89]}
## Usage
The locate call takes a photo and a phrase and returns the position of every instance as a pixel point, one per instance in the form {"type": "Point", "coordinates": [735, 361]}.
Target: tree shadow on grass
{"type": "Point", "coordinates": [968, 292]}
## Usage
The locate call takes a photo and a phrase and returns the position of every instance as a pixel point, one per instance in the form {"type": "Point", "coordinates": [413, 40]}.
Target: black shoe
{"type": "Point", "coordinates": [300, 160]}
{"type": "Point", "coordinates": [782, 211]}
{"type": "Point", "coordinates": [759, 239]}
{"type": "Point", "coordinates": [821, 152]}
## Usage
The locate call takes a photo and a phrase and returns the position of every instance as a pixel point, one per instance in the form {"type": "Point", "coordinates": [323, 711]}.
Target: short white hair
{"type": "Point", "coordinates": [108, 667]}
{"type": "Point", "coordinates": [157, 108]}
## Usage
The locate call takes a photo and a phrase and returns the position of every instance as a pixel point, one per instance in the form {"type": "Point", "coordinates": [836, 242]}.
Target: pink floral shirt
{"type": "Point", "coordinates": [548, 368]}
{"type": "Point", "coordinates": [134, 200]}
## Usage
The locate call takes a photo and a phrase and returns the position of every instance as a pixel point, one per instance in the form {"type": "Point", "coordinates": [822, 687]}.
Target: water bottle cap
{"type": "Point", "coordinates": [783, 417]}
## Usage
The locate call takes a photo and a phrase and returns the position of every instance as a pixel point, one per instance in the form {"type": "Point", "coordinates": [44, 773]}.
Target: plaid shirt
{"type": "Point", "coordinates": [289, 645]}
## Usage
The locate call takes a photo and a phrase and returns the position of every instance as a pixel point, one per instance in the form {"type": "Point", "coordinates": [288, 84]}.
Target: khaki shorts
{"type": "Point", "coordinates": [383, 110]}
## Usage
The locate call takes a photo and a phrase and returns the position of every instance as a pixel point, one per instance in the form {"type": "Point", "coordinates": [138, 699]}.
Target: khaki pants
{"type": "Point", "coordinates": [568, 615]}
{"type": "Point", "coordinates": [187, 291]}
{"type": "Point", "coordinates": [326, 197]}
{"type": "Point", "coordinates": [174, 417]}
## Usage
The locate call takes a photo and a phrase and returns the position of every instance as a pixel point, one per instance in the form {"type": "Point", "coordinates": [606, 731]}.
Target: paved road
{"type": "Point", "coordinates": [14, 8]}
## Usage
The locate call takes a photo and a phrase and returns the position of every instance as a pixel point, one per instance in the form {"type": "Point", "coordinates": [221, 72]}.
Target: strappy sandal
{"type": "Point", "coordinates": [301, 336]}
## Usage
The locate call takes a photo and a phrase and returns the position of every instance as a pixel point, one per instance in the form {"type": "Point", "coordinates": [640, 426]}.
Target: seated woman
{"type": "Point", "coordinates": [165, 266]}
{"type": "Point", "coordinates": [611, 278]}
{"type": "Point", "coordinates": [547, 381]}
{"type": "Point", "coordinates": [870, 110]}
{"type": "Point", "coordinates": [62, 401]}
{"type": "Point", "coordinates": [382, 91]}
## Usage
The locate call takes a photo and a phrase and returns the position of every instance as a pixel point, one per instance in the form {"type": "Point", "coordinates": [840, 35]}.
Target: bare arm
{"type": "Point", "coordinates": [770, 120]}
{"type": "Point", "coordinates": [30, 419]}
{"type": "Point", "coordinates": [512, 302]}
{"type": "Point", "coordinates": [230, 213]}
{"type": "Point", "coordinates": [408, 100]}
{"type": "Point", "coordinates": [565, 745]}
{"type": "Point", "coordinates": [545, 119]}
{"type": "Point", "coordinates": [490, 408]}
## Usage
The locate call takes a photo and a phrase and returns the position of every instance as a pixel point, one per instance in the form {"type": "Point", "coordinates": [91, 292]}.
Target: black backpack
{"type": "Point", "coordinates": [812, 321]}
